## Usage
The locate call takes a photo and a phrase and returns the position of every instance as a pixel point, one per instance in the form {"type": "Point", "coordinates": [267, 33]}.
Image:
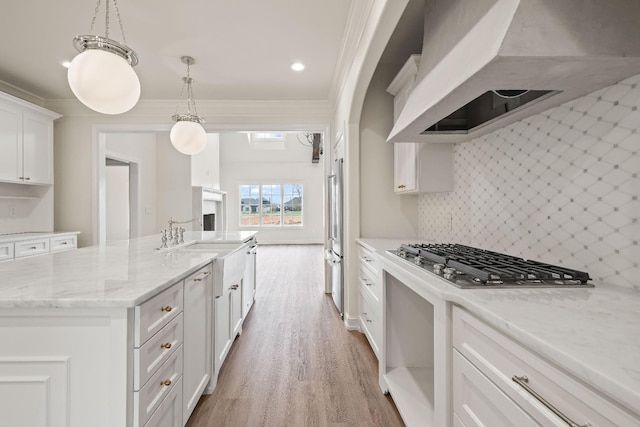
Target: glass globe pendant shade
{"type": "Point", "coordinates": [104, 81]}
{"type": "Point", "coordinates": [188, 137]}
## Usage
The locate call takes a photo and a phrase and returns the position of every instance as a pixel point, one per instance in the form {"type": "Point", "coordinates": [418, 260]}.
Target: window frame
{"type": "Point", "coordinates": [261, 214]}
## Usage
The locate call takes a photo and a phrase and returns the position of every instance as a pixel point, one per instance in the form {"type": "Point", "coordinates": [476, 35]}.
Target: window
{"type": "Point", "coordinates": [270, 205]}
{"type": "Point", "coordinates": [267, 140]}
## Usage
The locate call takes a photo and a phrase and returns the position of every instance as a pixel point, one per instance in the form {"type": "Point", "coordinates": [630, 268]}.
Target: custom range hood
{"type": "Point", "coordinates": [488, 63]}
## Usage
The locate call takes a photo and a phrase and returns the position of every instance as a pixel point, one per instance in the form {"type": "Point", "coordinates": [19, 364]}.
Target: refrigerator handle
{"type": "Point", "coordinates": [332, 193]}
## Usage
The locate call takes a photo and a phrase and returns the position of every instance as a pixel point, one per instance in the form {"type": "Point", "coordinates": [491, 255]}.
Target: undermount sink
{"type": "Point", "coordinates": [220, 249]}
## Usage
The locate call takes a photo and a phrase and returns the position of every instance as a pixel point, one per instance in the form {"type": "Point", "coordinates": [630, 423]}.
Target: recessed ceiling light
{"type": "Point", "coordinates": [65, 64]}
{"type": "Point", "coordinates": [297, 66]}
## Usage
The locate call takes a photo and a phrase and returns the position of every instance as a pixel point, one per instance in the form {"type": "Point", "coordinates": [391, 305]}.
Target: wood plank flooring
{"type": "Point", "coordinates": [295, 364]}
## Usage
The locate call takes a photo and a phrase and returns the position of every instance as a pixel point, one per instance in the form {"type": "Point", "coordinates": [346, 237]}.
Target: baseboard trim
{"type": "Point", "coordinates": [352, 323]}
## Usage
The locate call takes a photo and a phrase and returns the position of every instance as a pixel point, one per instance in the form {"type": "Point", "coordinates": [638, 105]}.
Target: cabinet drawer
{"type": "Point", "coordinates": [31, 247]}
{"type": "Point", "coordinates": [371, 283]}
{"type": "Point", "coordinates": [152, 315]}
{"type": "Point", "coordinates": [148, 358]}
{"type": "Point", "coordinates": [370, 320]}
{"type": "Point", "coordinates": [169, 413]}
{"type": "Point", "coordinates": [149, 398]}
{"type": "Point", "coordinates": [477, 402]}
{"type": "Point", "coordinates": [6, 251]}
{"type": "Point", "coordinates": [501, 359]}
{"type": "Point", "coordinates": [63, 243]}
{"type": "Point", "coordinates": [369, 260]}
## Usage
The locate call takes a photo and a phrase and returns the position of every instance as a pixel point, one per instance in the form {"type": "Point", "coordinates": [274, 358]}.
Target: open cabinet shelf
{"type": "Point", "coordinates": [409, 352]}
{"type": "Point", "coordinates": [412, 391]}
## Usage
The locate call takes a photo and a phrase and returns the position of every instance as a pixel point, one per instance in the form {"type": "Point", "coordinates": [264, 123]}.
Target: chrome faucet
{"type": "Point", "coordinates": [175, 235]}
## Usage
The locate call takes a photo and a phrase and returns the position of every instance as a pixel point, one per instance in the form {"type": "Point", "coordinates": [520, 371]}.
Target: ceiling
{"type": "Point", "coordinates": [243, 48]}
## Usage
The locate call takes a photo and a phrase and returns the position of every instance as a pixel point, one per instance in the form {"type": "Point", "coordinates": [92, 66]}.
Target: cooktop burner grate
{"type": "Point", "coordinates": [490, 268]}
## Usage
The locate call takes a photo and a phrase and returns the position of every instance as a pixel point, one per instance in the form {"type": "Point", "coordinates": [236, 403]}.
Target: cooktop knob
{"type": "Point", "coordinates": [437, 268]}
{"type": "Point", "coordinates": [449, 273]}
{"type": "Point", "coordinates": [419, 260]}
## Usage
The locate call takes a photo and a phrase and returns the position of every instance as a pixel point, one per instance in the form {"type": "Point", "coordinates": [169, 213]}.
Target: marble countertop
{"type": "Point", "coordinates": [18, 237]}
{"type": "Point", "coordinates": [119, 274]}
{"type": "Point", "coordinates": [592, 333]}
{"type": "Point", "coordinates": [221, 237]}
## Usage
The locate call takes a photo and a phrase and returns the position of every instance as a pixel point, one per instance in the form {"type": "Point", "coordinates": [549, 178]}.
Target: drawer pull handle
{"type": "Point", "coordinates": [64, 243]}
{"type": "Point", "coordinates": [200, 279]}
{"type": "Point", "coordinates": [366, 282]}
{"type": "Point", "coordinates": [234, 287]}
{"type": "Point", "coordinates": [166, 382]}
{"type": "Point", "coordinates": [367, 259]}
{"type": "Point", "coordinates": [366, 318]}
{"type": "Point", "coordinates": [401, 186]}
{"type": "Point", "coordinates": [27, 178]}
{"type": "Point", "coordinates": [166, 308]}
{"type": "Point", "coordinates": [166, 345]}
{"type": "Point", "coordinates": [33, 248]}
{"type": "Point", "coordinates": [523, 382]}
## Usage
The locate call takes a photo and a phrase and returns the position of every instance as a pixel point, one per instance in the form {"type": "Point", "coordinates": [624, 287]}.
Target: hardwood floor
{"type": "Point", "coordinates": [295, 364]}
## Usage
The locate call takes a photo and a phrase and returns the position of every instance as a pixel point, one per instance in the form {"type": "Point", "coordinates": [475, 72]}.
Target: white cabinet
{"type": "Point", "coordinates": [222, 326]}
{"type": "Point", "coordinates": [418, 167]}
{"type": "Point", "coordinates": [198, 293]}
{"type": "Point", "coordinates": [422, 168]}
{"type": "Point", "coordinates": [249, 279]}
{"type": "Point", "coordinates": [26, 142]}
{"type": "Point", "coordinates": [496, 382]}
{"type": "Point", "coordinates": [169, 413]}
{"type": "Point", "coordinates": [6, 251]}
{"type": "Point", "coordinates": [31, 247]}
{"type": "Point", "coordinates": [370, 313]}
{"type": "Point", "coordinates": [10, 142]}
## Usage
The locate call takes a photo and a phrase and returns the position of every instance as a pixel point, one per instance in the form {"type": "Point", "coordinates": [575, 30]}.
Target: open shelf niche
{"type": "Point", "coordinates": [409, 367]}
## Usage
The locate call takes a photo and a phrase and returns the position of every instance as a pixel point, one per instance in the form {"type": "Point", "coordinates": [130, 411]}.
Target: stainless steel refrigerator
{"type": "Point", "coordinates": [334, 253]}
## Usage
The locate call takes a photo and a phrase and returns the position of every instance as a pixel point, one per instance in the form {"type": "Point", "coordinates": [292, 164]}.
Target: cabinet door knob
{"type": "Point", "coordinates": [166, 308]}
{"type": "Point", "coordinates": [234, 287]}
{"type": "Point", "coordinates": [401, 186]}
{"type": "Point", "coordinates": [165, 382]}
{"type": "Point", "coordinates": [166, 345]}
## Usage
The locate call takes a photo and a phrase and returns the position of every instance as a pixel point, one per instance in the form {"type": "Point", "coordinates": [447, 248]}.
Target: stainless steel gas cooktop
{"type": "Point", "coordinates": [467, 267]}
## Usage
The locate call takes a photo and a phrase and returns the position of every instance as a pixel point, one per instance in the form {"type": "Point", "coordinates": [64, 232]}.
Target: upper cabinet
{"type": "Point", "coordinates": [418, 168]}
{"type": "Point", "coordinates": [26, 142]}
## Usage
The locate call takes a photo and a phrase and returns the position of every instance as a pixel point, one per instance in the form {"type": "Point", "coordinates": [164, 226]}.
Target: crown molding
{"type": "Point", "coordinates": [211, 111]}
{"type": "Point", "coordinates": [359, 12]}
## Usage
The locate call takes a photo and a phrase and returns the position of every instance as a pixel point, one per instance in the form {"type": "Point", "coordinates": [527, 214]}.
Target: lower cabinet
{"type": "Point", "coordinates": [173, 351]}
{"type": "Point", "coordinates": [498, 382]}
{"type": "Point", "coordinates": [169, 413]}
{"type": "Point", "coordinates": [249, 280]}
{"type": "Point", "coordinates": [198, 292]}
{"type": "Point", "coordinates": [370, 313]}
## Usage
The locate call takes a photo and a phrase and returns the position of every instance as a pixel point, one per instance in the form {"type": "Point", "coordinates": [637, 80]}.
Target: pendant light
{"type": "Point", "coordinates": [187, 134]}
{"type": "Point", "coordinates": [101, 76]}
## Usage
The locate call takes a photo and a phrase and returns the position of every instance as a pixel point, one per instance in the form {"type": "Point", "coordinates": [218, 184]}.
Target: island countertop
{"type": "Point", "coordinates": [119, 274]}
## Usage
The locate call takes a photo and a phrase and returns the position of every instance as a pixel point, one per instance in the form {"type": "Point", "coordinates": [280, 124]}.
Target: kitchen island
{"type": "Point", "coordinates": [580, 345]}
{"type": "Point", "coordinates": [95, 337]}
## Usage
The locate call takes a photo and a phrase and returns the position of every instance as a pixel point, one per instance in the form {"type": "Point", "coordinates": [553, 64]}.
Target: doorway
{"type": "Point", "coordinates": [120, 199]}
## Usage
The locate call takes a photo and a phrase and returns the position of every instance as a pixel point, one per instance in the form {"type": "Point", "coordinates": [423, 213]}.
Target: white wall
{"type": "Point", "coordinates": [205, 166]}
{"type": "Point", "coordinates": [173, 183]}
{"type": "Point", "coordinates": [117, 202]}
{"type": "Point", "coordinates": [242, 164]}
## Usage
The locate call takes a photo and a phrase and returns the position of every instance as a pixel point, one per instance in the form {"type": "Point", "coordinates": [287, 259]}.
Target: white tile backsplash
{"type": "Point", "coordinates": [559, 187]}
